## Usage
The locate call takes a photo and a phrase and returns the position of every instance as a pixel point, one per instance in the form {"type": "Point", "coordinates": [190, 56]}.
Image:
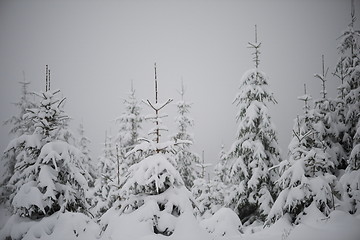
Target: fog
{"type": "Point", "coordinates": [96, 48]}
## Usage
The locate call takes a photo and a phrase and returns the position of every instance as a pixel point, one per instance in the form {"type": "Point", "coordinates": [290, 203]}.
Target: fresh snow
{"type": "Point", "coordinates": [223, 225]}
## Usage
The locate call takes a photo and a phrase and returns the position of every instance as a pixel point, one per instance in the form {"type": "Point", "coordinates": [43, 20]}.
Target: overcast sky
{"type": "Point", "coordinates": [95, 49]}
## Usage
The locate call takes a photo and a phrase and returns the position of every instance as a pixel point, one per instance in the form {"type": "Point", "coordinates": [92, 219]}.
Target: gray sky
{"type": "Point", "coordinates": [95, 48]}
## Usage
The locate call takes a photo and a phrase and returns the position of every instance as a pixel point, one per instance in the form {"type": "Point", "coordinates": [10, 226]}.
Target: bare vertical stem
{"type": "Point", "coordinates": [156, 85]}
{"type": "Point", "coordinates": [49, 81]}
{"type": "Point", "coordinates": [255, 33]}
{"type": "Point", "coordinates": [118, 163]}
{"type": "Point", "coordinates": [46, 78]}
{"type": "Point", "coordinates": [156, 110]}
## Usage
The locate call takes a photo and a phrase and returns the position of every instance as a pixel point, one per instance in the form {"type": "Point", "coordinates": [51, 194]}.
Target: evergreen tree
{"type": "Point", "coordinates": [221, 169]}
{"type": "Point", "coordinates": [255, 149]}
{"type": "Point", "coordinates": [83, 141]}
{"type": "Point", "coordinates": [348, 69]}
{"type": "Point", "coordinates": [83, 145]}
{"type": "Point", "coordinates": [19, 126]}
{"type": "Point", "coordinates": [107, 184]}
{"type": "Point", "coordinates": [185, 159]}
{"type": "Point", "coordinates": [210, 195]}
{"type": "Point", "coordinates": [329, 125]}
{"type": "Point", "coordinates": [48, 175]}
{"type": "Point", "coordinates": [129, 128]}
{"type": "Point", "coordinates": [349, 183]}
{"type": "Point", "coordinates": [153, 188]}
{"type": "Point", "coordinates": [306, 177]}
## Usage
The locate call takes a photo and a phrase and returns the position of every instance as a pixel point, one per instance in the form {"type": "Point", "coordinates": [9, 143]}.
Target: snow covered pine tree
{"type": "Point", "coordinates": [255, 149]}
{"type": "Point", "coordinates": [48, 174]}
{"type": "Point", "coordinates": [185, 159]}
{"type": "Point", "coordinates": [19, 126]}
{"type": "Point", "coordinates": [83, 145]}
{"type": "Point", "coordinates": [104, 193]}
{"type": "Point", "coordinates": [306, 179]}
{"type": "Point", "coordinates": [153, 194]}
{"type": "Point", "coordinates": [129, 129]}
{"type": "Point", "coordinates": [350, 65]}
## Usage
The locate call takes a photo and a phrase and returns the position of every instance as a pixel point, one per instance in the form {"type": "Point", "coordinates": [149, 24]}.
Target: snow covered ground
{"type": "Point", "coordinates": [339, 225]}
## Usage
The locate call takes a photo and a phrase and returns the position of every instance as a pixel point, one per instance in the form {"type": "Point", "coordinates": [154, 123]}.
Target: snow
{"type": "Point", "coordinates": [224, 222]}
{"type": "Point", "coordinates": [138, 225]}
{"type": "Point", "coordinates": [155, 170]}
{"type": "Point", "coordinates": [5, 214]}
{"type": "Point", "coordinates": [29, 195]}
{"type": "Point", "coordinates": [225, 225]}
{"type": "Point", "coordinates": [59, 226]}
{"type": "Point", "coordinates": [31, 141]}
{"type": "Point", "coordinates": [339, 225]}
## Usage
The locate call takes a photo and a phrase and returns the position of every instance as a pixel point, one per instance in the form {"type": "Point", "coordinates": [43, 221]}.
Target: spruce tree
{"type": "Point", "coordinates": [210, 194]}
{"type": "Point", "coordinates": [19, 126]}
{"type": "Point", "coordinates": [348, 69]}
{"type": "Point", "coordinates": [153, 189]}
{"type": "Point", "coordinates": [221, 169]}
{"type": "Point", "coordinates": [185, 158]}
{"type": "Point", "coordinates": [255, 149]}
{"type": "Point", "coordinates": [106, 185]}
{"type": "Point", "coordinates": [306, 177]}
{"type": "Point", "coordinates": [328, 123]}
{"type": "Point", "coordinates": [49, 175]}
{"type": "Point", "coordinates": [350, 64]}
{"type": "Point", "coordinates": [129, 128]}
{"type": "Point", "coordinates": [83, 145]}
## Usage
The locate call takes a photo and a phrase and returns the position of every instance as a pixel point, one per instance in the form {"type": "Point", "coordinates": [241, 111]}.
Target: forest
{"type": "Point", "coordinates": [152, 187]}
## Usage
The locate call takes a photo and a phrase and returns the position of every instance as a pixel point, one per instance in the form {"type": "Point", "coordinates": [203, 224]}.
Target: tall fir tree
{"type": "Point", "coordinates": [350, 65]}
{"type": "Point", "coordinates": [348, 70]}
{"type": "Point", "coordinates": [255, 150]}
{"type": "Point", "coordinates": [184, 157]}
{"type": "Point", "coordinates": [49, 175]}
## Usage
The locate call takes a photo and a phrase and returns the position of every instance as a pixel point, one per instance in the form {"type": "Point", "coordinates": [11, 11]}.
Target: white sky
{"type": "Point", "coordinates": [95, 48]}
